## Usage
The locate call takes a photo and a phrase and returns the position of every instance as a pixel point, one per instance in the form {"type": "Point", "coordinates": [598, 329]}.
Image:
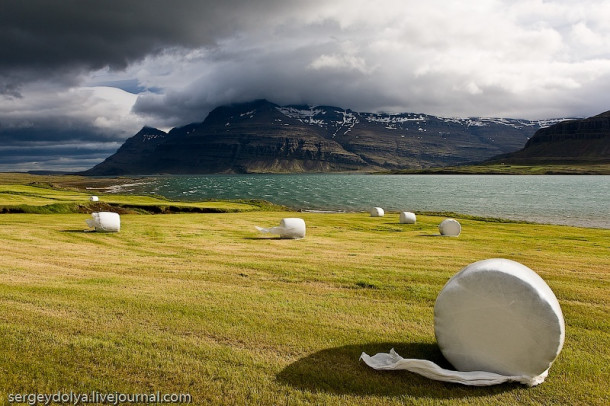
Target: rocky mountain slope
{"type": "Point", "coordinates": [263, 137]}
{"type": "Point", "coordinates": [572, 141]}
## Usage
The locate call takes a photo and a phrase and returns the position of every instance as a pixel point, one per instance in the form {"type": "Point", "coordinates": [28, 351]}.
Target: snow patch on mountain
{"type": "Point", "coordinates": [337, 120]}
{"type": "Point", "coordinates": [149, 137]}
{"type": "Point", "coordinates": [510, 122]}
{"type": "Point", "coordinates": [323, 117]}
{"type": "Point", "coordinates": [248, 114]}
{"type": "Point", "coordinates": [300, 114]}
{"type": "Point", "coordinates": [392, 118]}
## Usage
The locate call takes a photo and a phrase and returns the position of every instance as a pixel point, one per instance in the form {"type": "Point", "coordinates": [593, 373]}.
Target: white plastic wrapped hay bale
{"type": "Point", "coordinates": [495, 321]}
{"type": "Point", "coordinates": [406, 217]}
{"type": "Point", "coordinates": [291, 227]}
{"type": "Point", "coordinates": [498, 315]}
{"type": "Point", "coordinates": [450, 228]}
{"type": "Point", "coordinates": [94, 199]}
{"type": "Point", "coordinates": [377, 212]}
{"type": "Point", "coordinates": [105, 221]}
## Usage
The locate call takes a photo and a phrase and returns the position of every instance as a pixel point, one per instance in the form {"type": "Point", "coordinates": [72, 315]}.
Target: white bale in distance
{"type": "Point", "coordinates": [105, 221]}
{"type": "Point", "coordinates": [94, 198]}
{"type": "Point", "coordinates": [495, 321]}
{"type": "Point", "coordinates": [290, 227]}
{"type": "Point", "coordinates": [406, 217]}
{"type": "Point", "coordinates": [377, 212]}
{"type": "Point", "coordinates": [450, 228]}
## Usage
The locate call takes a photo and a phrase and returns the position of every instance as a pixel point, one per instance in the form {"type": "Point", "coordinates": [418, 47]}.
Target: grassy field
{"type": "Point", "coordinates": [202, 303]}
{"type": "Point", "coordinates": [516, 169]}
{"type": "Point", "coordinates": [41, 198]}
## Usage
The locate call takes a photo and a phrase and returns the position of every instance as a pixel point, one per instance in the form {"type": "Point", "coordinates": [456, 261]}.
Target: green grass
{"type": "Point", "coordinates": [41, 198]}
{"type": "Point", "coordinates": [516, 169]}
{"type": "Point", "coordinates": [202, 303]}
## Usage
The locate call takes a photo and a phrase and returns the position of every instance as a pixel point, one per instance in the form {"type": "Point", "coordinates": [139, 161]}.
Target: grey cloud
{"type": "Point", "coordinates": [44, 134]}
{"type": "Point", "coordinates": [38, 37]}
{"type": "Point", "coordinates": [469, 62]}
{"type": "Point", "coordinates": [16, 163]}
{"type": "Point", "coordinates": [284, 76]}
{"type": "Point", "coordinates": [59, 151]}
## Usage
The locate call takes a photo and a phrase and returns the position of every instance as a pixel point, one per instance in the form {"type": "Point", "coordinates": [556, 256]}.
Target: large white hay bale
{"type": "Point", "coordinates": [450, 228]}
{"type": "Point", "coordinates": [377, 212]}
{"type": "Point", "coordinates": [496, 321]}
{"type": "Point", "coordinates": [498, 315]}
{"type": "Point", "coordinates": [406, 217]}
{"type": "Point", "coordinates": [94, 198]}
{"type": "Point", "coordinates": [291, 227]}
{"type": "Point", "coordinates": [105, 221]}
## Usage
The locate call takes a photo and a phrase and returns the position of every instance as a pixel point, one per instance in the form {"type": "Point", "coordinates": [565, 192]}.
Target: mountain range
{"type": "Point", "coordinates": [261, 136]}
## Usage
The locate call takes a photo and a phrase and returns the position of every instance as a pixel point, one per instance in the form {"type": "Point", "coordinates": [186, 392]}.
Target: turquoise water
{"type": "Point", "coordinates": [571, 199]}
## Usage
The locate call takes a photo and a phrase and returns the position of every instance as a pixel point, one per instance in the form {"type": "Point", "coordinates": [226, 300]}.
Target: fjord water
{"type": "Point", "coordinates": [579, 200]}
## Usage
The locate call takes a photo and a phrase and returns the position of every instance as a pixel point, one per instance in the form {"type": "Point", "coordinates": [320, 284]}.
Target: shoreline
{"type": "Point", "coordinates": [514, 169]}
{"type": "Point", "coordinates": [118, 186]}
{"type": "Point", "coordinates": [601, 167]}
{"type": "Point", "coordinates": [317, 206]}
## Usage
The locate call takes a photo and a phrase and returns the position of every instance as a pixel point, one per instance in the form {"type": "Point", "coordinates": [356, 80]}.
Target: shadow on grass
{"type": "Point", "coordinates": [272, 238]}
{"type": "Point", "coordinates": [339, 371]}
{"type": "Point", "coordinates": [268, 237]}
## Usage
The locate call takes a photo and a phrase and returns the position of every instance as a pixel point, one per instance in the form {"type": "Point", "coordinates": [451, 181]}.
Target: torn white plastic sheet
{"type": "Point", "coordinates": [406, 217]}
{"type": "Point", "coordinates": [291, 227]}
{"type": "Point", "coordinates": [377, 212]}
{"type": "Point", "coordinates": [394, 362]}
{"type": "Point", "coordinates": [105, 221]}
{"type": "Point", "coordinates": [495, 321]}
{"type": "Point", "coordinates": [450, 228]}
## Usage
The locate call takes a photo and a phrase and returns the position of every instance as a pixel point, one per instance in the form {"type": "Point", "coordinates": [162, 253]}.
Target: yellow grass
{"type": "Point", "coordinates": [202, 303]}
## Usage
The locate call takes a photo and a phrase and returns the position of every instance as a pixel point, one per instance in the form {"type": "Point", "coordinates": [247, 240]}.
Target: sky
{"type": "Point", "coordinates": [78, 77]}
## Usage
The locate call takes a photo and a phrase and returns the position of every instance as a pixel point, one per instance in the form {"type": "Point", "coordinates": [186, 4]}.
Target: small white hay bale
{"type": "Point", "coordinates": [290, 227]}
{"type": "Point", "coordinates": [495, 321]}
{"type": "Point", "coordinates": [377, 212]}
{"type": "Point", "coordinates": [105, 221]}
{"type": "Point", "coordinates": [406, 217]}
{"type": "Point", "coordinates": [450, 228]}
{"type": "Point", "coordinates": [94, 198]}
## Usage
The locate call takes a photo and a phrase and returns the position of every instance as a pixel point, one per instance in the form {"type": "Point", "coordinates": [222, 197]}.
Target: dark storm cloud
{"type": "Point", "coordinates": [64, 38]}
{"type": "Point", "coordinates": [49, 148]}
{"type": "Point", "coordinates": [46, 134]}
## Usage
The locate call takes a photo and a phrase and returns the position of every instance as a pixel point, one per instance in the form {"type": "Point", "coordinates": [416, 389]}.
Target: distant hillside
{"type": "Point", "coordinates": [263, 137]}
{"type": "Point", "coordinates": [572, 141]}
